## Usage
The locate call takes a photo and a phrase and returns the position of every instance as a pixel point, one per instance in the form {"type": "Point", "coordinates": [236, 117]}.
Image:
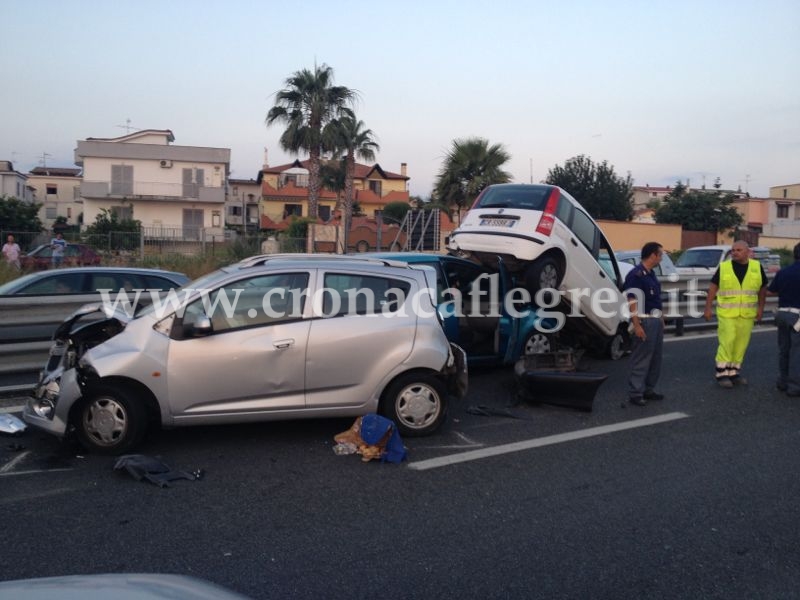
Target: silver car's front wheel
{"type": "Point", "coordinates": [416, 402]}
{"type": "Point", "coordinates": [109, 422]}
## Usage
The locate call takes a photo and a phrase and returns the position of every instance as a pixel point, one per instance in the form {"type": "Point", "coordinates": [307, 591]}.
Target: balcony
{"type": "Point", "coordinates": [149, 190]}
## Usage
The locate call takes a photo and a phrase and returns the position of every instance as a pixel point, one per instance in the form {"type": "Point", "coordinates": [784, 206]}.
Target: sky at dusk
{"type": "Point", "coordinates": [663, 90]}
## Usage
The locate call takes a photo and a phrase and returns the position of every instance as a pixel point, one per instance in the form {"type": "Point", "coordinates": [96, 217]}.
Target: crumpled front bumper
{"type": "Point", "coordinates": [49, 407]}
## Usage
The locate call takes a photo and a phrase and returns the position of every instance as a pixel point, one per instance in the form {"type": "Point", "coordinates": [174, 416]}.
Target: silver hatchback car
{"type": "Point", "coordinates": [270, 338]}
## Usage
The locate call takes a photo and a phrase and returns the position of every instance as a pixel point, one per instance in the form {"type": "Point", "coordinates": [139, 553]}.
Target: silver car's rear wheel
{"type": "Point", "coordinates": [109, 422]}
{"type": "Point", "coordinates": [416, 402]}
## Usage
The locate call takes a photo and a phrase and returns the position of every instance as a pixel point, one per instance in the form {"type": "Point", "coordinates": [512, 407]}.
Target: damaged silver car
{"type": "Point", "coordinates": [281, 337]}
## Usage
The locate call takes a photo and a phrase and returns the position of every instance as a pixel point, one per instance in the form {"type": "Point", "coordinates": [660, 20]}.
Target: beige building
{"type": "Point", "coordinates": [284, 190]}
{"type": "Point", "coordinates": [57, 189]}
{"type": "Point", "coordinates": [244, 198]}
{"type": "Point", "coordinates": [179, 190]}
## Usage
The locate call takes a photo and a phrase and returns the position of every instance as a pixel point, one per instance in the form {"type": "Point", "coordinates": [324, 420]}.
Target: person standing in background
{"type": "Point", "coordinates": [786, 286]}
{"type": "Point", "coordinates": [58, 245]}
{"type": "Point", "coordinates": [11, 252]}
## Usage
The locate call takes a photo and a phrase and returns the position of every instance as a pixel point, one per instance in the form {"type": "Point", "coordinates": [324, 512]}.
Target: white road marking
{"type": "Point", "coordinates": [687, 337]}
{"type": "Point", "coordinates": [444, 461]}
{"type": "Point", "coordinates": [34, 472]}
{"type": "Point", "coordinates": [14, 462]}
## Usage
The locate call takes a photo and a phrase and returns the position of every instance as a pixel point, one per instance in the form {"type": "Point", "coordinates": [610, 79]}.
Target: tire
{"type": "Point", "coordinates": [542, 274]}
{"type": "Point", "coordinates": [537, 343]}
{"type": "Point", "coordinates": [109, 421]}
{"type": "Point", "coordinates": [362, 246]}
{"type": "Point", "coordinates": [396, 247]}
{"type": "Point", "coordinates": [416, 402]}
{"type": "Point", "coordinates": [616, 347]}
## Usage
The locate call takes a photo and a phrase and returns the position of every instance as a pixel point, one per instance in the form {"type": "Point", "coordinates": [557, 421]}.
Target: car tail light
{"type": "Point", "coordinates": [548, 219]}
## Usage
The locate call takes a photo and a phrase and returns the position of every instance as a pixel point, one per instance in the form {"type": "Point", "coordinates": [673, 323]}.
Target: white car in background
{"type": "Point", "coordinates": [702, 260]}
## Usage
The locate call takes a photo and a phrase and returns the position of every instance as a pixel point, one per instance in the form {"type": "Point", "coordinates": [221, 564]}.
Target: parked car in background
{"type": "Point", "coordinates": [268, 338]}
{"type": "Point", "coordinates": [41, 257]}
{"type": "Point", "coordinates": [67, 283]}
{"type": "Point", "coordinates": [47, 297]}
{"type": "Point", "coordinates": [500, 339]}
{"type": "Point", "coordinates": [546, 240]}
{"type": "Point", "coordinates": [633, 257]}
{"type": "Point", "coordinates": [702, 260]}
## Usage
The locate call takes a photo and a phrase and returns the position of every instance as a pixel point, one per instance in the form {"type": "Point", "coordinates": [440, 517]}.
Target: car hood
{"type": "Point", "coordinates": [95, 309]}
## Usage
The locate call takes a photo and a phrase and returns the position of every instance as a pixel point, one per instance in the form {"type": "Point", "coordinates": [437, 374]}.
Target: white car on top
{"type": "Point", "coordinates": [546, 238]}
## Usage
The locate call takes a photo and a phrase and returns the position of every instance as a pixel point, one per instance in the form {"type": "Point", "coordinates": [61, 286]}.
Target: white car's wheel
{"type": "Point", "coordinates": [616, 347]}
{"type": "Point", "coordinates": [544, 273]}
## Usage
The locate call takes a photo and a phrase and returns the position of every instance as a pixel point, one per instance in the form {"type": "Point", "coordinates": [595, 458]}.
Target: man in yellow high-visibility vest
{"type": "Point", "coordinates": [740, 288]}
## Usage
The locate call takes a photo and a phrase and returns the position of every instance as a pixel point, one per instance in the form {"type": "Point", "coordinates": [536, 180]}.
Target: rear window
{"type": "Point", "coordinates": [526, 197]}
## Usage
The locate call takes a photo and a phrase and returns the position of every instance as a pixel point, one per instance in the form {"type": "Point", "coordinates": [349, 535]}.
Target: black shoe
{"type": "Point", "coordinates": [653, 396]}
{"type": "Point", "coordinates": [638, 401]}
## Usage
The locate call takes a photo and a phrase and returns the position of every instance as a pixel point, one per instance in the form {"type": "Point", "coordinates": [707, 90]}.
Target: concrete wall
{"type": "Point", "coordinates": [780, 192]}
{"type": "Point", "coordinates": [632, 236]}
{"type": "Point", "coordinates": [778, 242]}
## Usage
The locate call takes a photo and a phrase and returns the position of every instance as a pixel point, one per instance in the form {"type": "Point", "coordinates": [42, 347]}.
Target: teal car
{"type": "Point", "coordinates": [483, 327]}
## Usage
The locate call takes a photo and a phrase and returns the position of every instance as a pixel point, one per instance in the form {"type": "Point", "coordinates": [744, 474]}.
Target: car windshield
{"type": "Point", "coordinates": [527, 197]}
{"type": "Point", "coordinates": [699, 258]}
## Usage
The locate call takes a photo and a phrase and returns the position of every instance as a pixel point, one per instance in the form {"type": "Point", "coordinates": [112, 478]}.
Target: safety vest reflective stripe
{"type": "Point", "coordinates": [739, 299]}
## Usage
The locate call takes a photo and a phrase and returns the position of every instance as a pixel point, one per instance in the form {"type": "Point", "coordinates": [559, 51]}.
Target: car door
{"type": "Point", "coordinates": [253, 361]}
{"type": "Point", "coordinates": [352, 345]}
{"type": "Point", "coordinates": [585, 275]}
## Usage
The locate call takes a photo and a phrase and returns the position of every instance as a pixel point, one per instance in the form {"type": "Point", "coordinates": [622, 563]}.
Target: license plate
{"type": "Point", "coordinates": [498, 222]}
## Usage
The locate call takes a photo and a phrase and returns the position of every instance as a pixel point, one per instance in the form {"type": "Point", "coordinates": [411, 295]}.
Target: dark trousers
{"type": "Point", "coordinates": [788, 351]}
{"type": "Point", "coordinates": [645, 361]}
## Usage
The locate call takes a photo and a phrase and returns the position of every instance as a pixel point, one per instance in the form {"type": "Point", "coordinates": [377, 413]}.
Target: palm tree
{"type": "Point", "coordinates": [470, 166]}
{"type": "Point", "coordinates": [350, 137]}
{"type": "Point", "coordinates": [308, 103]}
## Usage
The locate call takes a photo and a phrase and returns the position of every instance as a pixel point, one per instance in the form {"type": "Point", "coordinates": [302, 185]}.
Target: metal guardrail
{"type": "Point", "coordinates": [27, 326]}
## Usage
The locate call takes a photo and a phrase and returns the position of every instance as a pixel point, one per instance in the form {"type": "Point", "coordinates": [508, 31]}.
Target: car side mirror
{"type": "Point", "coordinates": [200, 326]}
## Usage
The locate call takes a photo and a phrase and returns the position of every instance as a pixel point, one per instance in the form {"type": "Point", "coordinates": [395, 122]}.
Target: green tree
{"type": "Point", "coordinates": [699, 210]}
{"type": "Point", "coordinates": [603, 193]}
{"type": "Point", "coordinates": [332, 176]}
{"type": "Point", "coordinates": [349, 137]}
{"type": "Point", "coordinates": [16, 215]}
{"type": "Point", "coordinates": [122, 234]}
{"type": "Point", "coordinates": [470, 165]}
{"type": "Point", "coordinates": [306, 105]}
{"type": "Point", "coordinates": [396, 211]}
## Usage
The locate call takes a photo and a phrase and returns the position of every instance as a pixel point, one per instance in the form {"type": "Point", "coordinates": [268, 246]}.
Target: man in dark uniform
{"type": "Point", "coordinates": [648, 326]}
{"type": "Point", "coordinates": [786, 286]}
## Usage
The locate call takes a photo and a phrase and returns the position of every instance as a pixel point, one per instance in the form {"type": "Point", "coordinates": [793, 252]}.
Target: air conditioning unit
{"type": "Point", "coordinates": [166, 164]}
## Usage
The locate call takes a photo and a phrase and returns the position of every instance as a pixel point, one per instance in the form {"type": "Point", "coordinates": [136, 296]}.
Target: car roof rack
{"type": "Point", "coordinates": [261, 259]}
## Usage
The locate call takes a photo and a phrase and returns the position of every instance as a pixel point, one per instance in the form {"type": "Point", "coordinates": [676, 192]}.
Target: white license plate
{"type": "Point", "coordinates": [498, 222]}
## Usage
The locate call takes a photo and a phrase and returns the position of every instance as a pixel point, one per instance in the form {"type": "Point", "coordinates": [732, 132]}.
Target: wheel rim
{"type": "Point", "coordinates": [537, 343]}
{"type": "Point", "coordinates": [549, 277]}
{"type": "Point", "coordinates": [362, 246]}
{"type": "Point", "coordinates": [105, 421]}
{"type": "Point", "coordinates": [418, 405]}
{"type": "Point", "coordinates": [615, 349]}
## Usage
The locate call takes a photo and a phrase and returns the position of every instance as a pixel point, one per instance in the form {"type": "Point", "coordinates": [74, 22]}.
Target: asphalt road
{"type": "Point", "coordinates": [699, 502]}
